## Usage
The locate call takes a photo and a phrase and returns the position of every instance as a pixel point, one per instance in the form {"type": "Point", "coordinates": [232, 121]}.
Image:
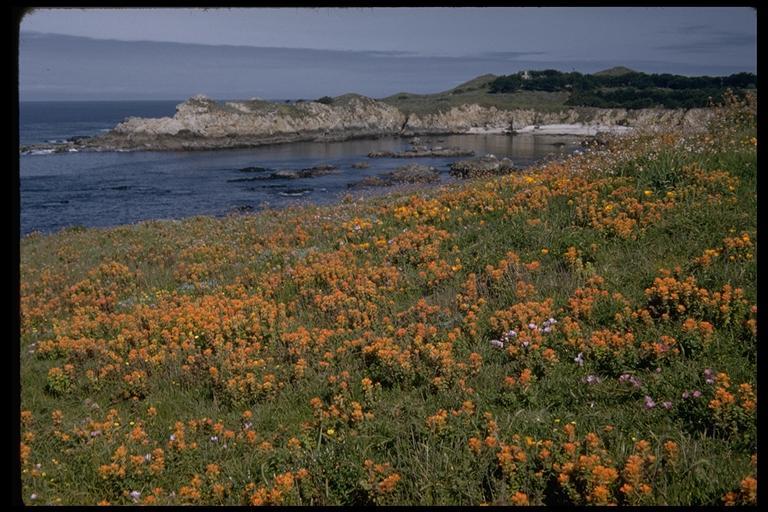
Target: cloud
{"type": "Point", "coordinates": [708, 40]}
{"type": "Point", "coordinates": [507, 55]}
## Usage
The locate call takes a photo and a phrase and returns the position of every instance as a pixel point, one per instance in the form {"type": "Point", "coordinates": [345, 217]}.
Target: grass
{"type": "Point", "coordinates": [342, 355]}
{"type": "Point", "coordinates": [476, 92]}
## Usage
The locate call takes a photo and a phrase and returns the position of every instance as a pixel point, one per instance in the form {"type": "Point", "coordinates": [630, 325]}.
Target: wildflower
{"type": "Point", "coordinates": [666, 405]}
{"type": "Point", "coordinates": [591, 379]}
{"type": "Point", "coordinates": [696, 394]}
{"type": "Point", "coordinates": [497, 343]}
{"type": "Point", "coordinates": [330, 431]}
{"type": "Point", "coordinates": [709, 376]}
{"type": "Point", "coordinates": [532, 326]}
{"type": "Point", "coordinates": [215, 439]}
{"type": "Point", "coordinates": [135, 495]}
{"type": "Point", "coordinates": [33, 496]}
{"type": "Point", "coordinates": [648, 193]}
{"type": "Point", "coordinates": [626, 377]}
{"type": "Point", "coordinates": [649, 403]}
{"type": "Point", "coordinates": [579, 359]}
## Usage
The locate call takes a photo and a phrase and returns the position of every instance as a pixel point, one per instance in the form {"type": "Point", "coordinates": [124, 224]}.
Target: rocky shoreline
{"type": "Point", "coordinates": [204, 124]}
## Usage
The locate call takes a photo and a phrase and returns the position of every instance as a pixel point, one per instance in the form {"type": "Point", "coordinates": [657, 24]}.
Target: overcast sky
{"type": "Point", "coordinates": [374, 51]}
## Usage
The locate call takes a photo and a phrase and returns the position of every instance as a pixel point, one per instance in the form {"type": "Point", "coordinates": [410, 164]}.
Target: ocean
{"type": "Point", "coordinates": [101, 189]}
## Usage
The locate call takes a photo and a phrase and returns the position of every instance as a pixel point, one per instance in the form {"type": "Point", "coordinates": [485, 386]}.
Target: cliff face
{"type": "Point", "coordinates": [201, 123]}
{"type": "Point", "coordinates": [462, 119]}
{"type": "Point", "coordinates": [202, 117]}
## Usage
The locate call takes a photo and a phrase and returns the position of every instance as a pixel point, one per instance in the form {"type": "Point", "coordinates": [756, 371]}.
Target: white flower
{"type": "Point", "coordinates": [579, 359]}
{"type": "Point", "coordinates": [215, 439]}
{"type": "Point", "coordinates": [135, 495]}
{"type": "Point", "coordinates": [33, 497]}
{"type": "Point", "coordinates": [497, 343]}
{"type": "Point", "coordinates": [173, 437]}
{"type": "Point", "coordinates": [531, 325]}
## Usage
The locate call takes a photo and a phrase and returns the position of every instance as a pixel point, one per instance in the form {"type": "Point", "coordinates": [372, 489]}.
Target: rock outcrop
{"type": "Point", "coordinates": [484, 166]}
{"type": "Point", "coordinates": [407, 174]}
{"type": "Point", "coordinates": [202, 123]}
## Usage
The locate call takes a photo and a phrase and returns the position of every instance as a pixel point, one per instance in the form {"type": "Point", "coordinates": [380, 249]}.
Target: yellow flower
{"type": "Point", "coordinates": [330, 431]}
{"type": "Point", "coordinates": [648, 192]}
{"type": "Point", "coordinates": [545, 251]}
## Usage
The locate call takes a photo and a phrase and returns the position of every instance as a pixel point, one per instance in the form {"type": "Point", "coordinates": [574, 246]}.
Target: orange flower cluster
{"type": "Point", "coordinates": [381, 481]}
{"type": "Point", "coordinates": [733, 410]}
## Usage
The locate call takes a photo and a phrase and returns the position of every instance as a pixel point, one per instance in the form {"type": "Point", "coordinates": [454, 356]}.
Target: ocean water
{"type": "Point", "coordinates": [100, 189]}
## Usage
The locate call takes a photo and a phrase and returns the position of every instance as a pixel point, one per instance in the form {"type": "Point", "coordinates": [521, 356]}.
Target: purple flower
{"type": "Point", "coordinates": [531, 325]}
{"type": "Point", "coordinates": [525, 344]}
{"type": "Point", "coordinates": [579, 359]}
{"type": "Point", "coordinates": [591, 379]}
{"type": "Point", "coordinates": [666, 405]}
{"type": "Point", "coordinates": [686, 394]}
{"type": "Point", "coordinates": [649, 403]}
{"type": "Point", "coordinates": [547, 329]}
{"type": "Point", "coordinates": [626, 377]}
{"type": "Point", "coordinates": [696, 394]}
{"type": "Point", "coordinates": [135, 495]}
{"type": "Point", "coordinates": [709, 376]}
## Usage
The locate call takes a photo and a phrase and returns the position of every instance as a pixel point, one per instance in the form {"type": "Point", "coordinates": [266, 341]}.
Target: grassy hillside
{"type": "Point", "coordinates": [365, 353]}
{"type": "Point", "coordinates": [615, 71]}
{"type": "Point", "coordinates": [551, 90]}
{"type": "Point", "coordinates": [476, 91]}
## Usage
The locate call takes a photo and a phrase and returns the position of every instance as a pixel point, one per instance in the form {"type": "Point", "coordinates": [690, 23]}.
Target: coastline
{"type": "Point", "coordinates": [204, 124]}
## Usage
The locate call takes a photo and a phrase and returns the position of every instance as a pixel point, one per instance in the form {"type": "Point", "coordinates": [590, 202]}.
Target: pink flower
{"type": "Point", "coordinates": [649, 403]}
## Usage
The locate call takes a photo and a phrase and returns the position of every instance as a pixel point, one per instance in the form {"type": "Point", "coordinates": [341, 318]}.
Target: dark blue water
{"type": "Point", "coordinates": [108, 189]}
{"type": "Point", "coordinates": [46, 121]}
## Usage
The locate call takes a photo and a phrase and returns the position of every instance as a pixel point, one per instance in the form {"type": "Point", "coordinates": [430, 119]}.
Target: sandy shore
{"type": "Point", "coordinates": [573, 129]}
{"type": "Point", "coordinates": [556, 129]}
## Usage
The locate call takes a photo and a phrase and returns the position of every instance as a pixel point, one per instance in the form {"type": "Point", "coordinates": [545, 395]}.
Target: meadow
{"type": "Point", "coordinates": [580, 333]}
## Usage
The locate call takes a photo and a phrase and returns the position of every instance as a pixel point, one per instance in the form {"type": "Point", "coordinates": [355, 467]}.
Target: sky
{"type": "Point", "coordinates": [291, 53]}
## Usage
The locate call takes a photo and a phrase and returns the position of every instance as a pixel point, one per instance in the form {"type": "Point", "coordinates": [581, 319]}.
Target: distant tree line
{"type": "Point", "coordinates": [628, 90]}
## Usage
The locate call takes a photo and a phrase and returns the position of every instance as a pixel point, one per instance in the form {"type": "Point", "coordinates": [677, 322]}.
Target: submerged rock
{"type": "Point", "coordinates": [361, 165]}
{"type": "Point", "coordinates": [422, 152]}
{"type": "Point", "coordinates": [487, 165]}
{"type": "Point", "coordinates": [414, 174]}
{"type": "Point", "coordinates": [407, 174]}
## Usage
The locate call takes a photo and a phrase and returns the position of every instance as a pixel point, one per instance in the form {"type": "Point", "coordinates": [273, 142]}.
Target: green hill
{"type": "Point", "coordinates": [615, 71]}
{"type": "Point", "coordinates": [552, 90]}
